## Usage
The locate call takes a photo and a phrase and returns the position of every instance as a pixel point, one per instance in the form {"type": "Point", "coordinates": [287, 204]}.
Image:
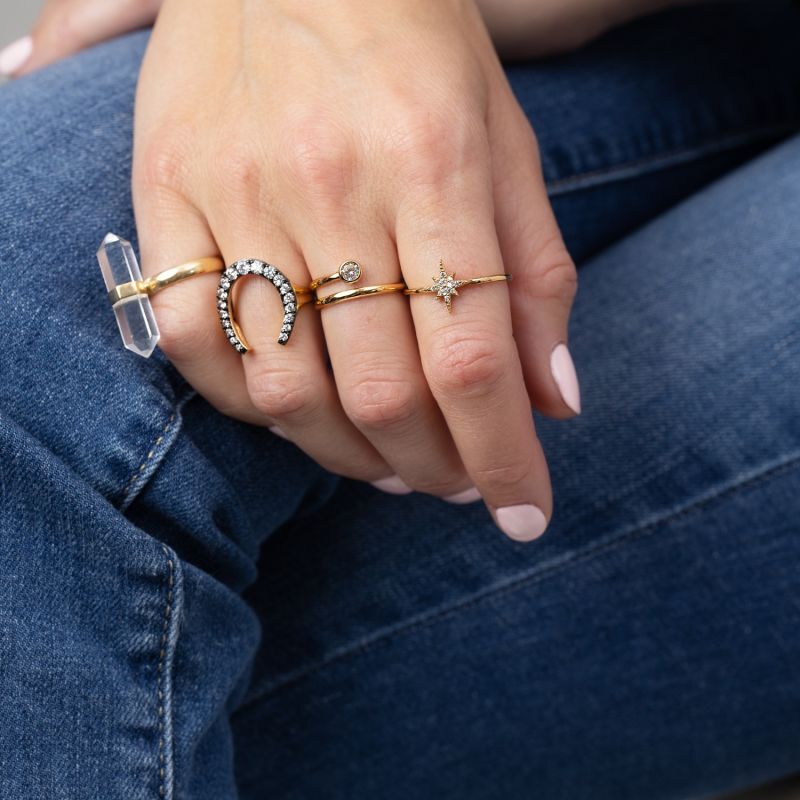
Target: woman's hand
{"type": "Point", "coordinates": [309, 134]}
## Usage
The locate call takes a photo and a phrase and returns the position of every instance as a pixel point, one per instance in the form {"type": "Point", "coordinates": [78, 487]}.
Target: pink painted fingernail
{"type": "Point", "coordinates": [278, 432]}
{"type": "Point", "coordinates": [522, 523]}
{"type": "Point", "coordinates": [461, 498]}
{"type": "Point", "coordinates": [563, 370]}
{"type": "Point", "coordinates": [393, 485]}
{"type": "Point", "coordinates": [13, 57]}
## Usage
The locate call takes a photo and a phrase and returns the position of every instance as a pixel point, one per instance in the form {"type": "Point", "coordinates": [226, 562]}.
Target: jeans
{"type": "Point", "coordinates": [191, 608]}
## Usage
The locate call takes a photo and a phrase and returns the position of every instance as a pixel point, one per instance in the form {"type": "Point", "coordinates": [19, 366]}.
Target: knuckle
{"type": "Point", "coordinates": [284, 393]}
{"type": "Point", "coordinates": [553, 275]}
{"type": "Point", "coordinates": [162, 163]}
{"type": "Point", "coordinates": [467, 361]}
{"type": "Point", "coordinates": [238, 177]}
{"type": "Point", "coordinates": [498, 477]}
{"type": "Point", "coordinates": [318, 157]}
{"type": "Point", "coordinates": [377, 403]}
{"type": "Point", "coordinates": [431, 147]}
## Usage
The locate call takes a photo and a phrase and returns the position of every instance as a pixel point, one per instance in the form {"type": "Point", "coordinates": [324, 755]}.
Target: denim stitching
{"type": "Point", "coordinates": [532, 576]}
{"type": "Point", "coordinates": [626, 169]}
{"type": "Point", "coordinates": [163, 677]}
{"type": "Point", "coordinates": [149, 455]}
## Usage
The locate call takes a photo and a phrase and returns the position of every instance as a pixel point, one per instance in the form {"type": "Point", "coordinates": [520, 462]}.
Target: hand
{"type": "Point", "coordinates": [308, 134]}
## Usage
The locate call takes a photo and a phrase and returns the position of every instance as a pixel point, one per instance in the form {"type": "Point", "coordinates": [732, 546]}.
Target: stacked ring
{"type": "Point", "coordinates": [446, 286]}
{"type": "Point", "coordinates": [293, 298]}
{"type": "Point", "coordinates": [350, 272]}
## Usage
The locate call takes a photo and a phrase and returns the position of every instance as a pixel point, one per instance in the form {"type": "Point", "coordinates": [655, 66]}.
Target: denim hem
{"type": "Point", "coordinates": [540, 572]}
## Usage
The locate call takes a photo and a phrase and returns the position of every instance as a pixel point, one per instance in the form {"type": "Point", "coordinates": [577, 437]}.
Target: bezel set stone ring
{"type": "Point", "coordinates": [129, 293]}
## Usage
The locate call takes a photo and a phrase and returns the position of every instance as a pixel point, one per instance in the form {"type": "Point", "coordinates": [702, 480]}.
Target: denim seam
{"type": "Point", "coordinates": [632, 168]}
{"type": "Point", "coordinates": [533, 576]}
{"type": "Point", "coordinates": [169, 633]}
{"type": "Point", "coordinates": [155, 455]}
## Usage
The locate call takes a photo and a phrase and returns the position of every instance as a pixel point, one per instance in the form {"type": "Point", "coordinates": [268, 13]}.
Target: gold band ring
{"type": "Point", "coordinates": [349, 272]}
{"type": "Point", "coordinates": [166, 278]}
{"type": "Point", "coordinates": [292, 297]}
{"type": "Point", "coordinates": [446, 286]}
{"type": "Point", "coordinates": [352, 294]}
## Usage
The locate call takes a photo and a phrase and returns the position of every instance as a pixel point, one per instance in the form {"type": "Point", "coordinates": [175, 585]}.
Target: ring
{"type": "Point", "coordinates": [292, 297]}
{"type": "Point", "coordinates": [129, 293]}
{"type": "Point", "coordinates": [446, 286]}
{"type": "Point", "coordinates": [349, 272]}
{"type": "Point", "coordinates": [352, 294]}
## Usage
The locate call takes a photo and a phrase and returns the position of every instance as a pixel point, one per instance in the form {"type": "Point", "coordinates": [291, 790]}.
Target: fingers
{"type": "Point", "coordinates": [469, 356]}
{"type": "Point", "coordinates": [66, 26]}
{"type": "Point", "coordinates": [172, 232]}
{"type": "Point", "coordinates": [534, 252]}
{"type": "Point", "coordinates": [375, 358]}
{"type": "Point", "coordinates": [291, 384]}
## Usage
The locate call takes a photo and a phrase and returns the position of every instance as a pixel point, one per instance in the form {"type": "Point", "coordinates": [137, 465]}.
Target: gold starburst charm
{"type": "Point", "coordinates": [446, 286]}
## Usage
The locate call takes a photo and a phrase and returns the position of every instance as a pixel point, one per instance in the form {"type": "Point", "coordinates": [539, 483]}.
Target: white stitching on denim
{"type": "Point", "coordinates": [162, 791]}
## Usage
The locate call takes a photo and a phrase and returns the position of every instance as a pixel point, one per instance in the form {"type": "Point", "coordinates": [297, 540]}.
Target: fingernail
{"type": "Point", "coordinates": [13, 57]}
{"type": "Point", "coordinates": [278, 432]}
{"type": "Point", "coordinates": [563, 370]}
{"type": "Point", "coordinates": [522, 523]}
{"type": "Point", "coordinates": [467, 496]}
{"type": "Point", "coordinates": [393, 485]}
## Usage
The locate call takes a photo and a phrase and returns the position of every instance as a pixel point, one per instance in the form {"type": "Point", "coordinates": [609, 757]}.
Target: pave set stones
{"type": "Point", "coordinates": [446, 286]}
{"type": "Point", "coordinates": [282, 284]}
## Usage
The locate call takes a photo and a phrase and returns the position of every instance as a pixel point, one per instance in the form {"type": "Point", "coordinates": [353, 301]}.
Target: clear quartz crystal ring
{"type": "Point", "coordinates": [129, 293]}
{"type": "Point", "coordinates": [292, 297]}
{"type": "Point", "coordinates": [446, 286]}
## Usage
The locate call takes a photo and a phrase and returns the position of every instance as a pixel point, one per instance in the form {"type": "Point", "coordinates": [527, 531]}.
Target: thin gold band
{"type": "Point", "coordinates": [465, 282]}
{"type": "Point", "coordinates": [352, 294]}
{"type": "Point", "coordinates": [166, 278]}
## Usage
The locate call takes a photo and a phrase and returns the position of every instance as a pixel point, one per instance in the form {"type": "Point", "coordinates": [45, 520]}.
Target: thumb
{"type": "Point", "coordinates": [66, 26]}
{"type": "Point", "coordinates": [544, 276]}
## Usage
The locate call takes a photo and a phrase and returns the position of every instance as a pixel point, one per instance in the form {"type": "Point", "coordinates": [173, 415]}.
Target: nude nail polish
{"type": "Point", "coordinates": [563, 371]}
{"type": "Point", "coordinates": [14, 56]}
{"type": "Point", "coordinates": [462, 498]}
{"type": "Point", "coordinates": [522, 523]}
{"type": "Point", "coordinates": [392, 485]}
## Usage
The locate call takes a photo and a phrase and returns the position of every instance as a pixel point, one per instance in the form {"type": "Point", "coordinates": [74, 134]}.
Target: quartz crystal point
{"type": "Point", "coordinates": [137, 324]}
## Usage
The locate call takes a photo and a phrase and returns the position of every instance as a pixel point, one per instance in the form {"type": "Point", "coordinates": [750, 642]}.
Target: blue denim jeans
{"type": "Point", "coordinates": [190, 608]}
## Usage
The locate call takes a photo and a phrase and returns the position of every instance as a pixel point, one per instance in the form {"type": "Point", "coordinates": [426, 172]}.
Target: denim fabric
{"type": "Point", "coordinates": [191, 608]}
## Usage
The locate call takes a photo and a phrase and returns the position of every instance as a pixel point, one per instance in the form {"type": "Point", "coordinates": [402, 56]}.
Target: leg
{"type": "Point", "coordinates": [647, 645]}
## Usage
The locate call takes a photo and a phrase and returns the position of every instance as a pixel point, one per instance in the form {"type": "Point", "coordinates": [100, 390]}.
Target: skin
{"type": "Point", "coordinates": [298, 134]}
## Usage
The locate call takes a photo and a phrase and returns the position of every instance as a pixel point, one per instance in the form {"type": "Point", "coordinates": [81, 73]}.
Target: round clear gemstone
{"type": "Point", "coordinates": [284, 337]}
{"type": "Point", "coordinates": [223, 314]}
{"type": "Point", "coordinates": [288, 318]}
{"type": "Point", "coordinates": [350, 271]}
{"type": "Point", "coordinates": [290, 307]}
{"type": "Point", "coordinates": [286, 328]}
{"type": "Point", "coordinates": [285, 288]}
{"type": "Point", "coordinates": [224, 283]}
{"type": "Point", "coordinates": [278, 280]}
{"type": "Point", "coordinates": [243, 268]}
{"type": "Point", "coordinates": [256, 268]}
{"type": "Point", "coordinates": [288, 298]}
{"type": "Point", "coordinates": [230, 272]}
{"type": "Point", "coordinates": [269, 272]}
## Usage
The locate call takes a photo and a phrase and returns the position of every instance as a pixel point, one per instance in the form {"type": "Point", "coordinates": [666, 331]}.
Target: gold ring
{"type": "Point", "coordinates": [166, 278]}
{"type": "Point", "coordinates": [292, 297]}
{"type": "Point", "coordinates": [446, 286]}
{"type": "Point", "coordinates": [352, 294]}
{"type": "Point", "coordinates": [349, 272]}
